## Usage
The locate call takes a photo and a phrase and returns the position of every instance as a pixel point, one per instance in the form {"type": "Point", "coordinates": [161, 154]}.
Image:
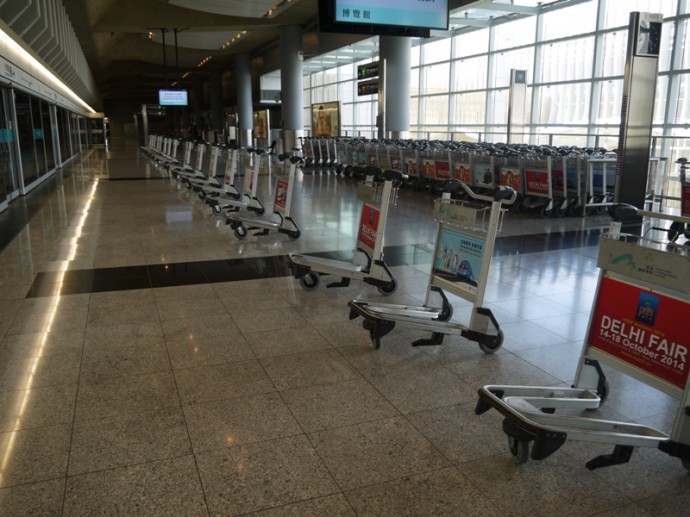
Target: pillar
{"type": "Point", "coordinates": [397, 51]}
{"type": "Point", "coordinates": [216, 100]}
{"type": "Point", "coordinates": [245, 121]}
{"type": "Point", "coordinates": [292, 85]}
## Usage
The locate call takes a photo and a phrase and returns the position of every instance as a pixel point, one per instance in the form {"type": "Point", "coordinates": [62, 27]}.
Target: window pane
{"type": "Point", "coordinates": [436, 51]}
{"type": "Point", "coordinates": [414, 81]}
{"type": "Point", "coordinates": [469, 108]}
{"type": "Point", "coordinates": [666, 47]}
{"type": "Point", "coordinates": [346, 72]}
{"type": "Point", "coordinates": [660, 99]}
{"type": "Point", "coordinates": [414, 60]}
{"type": "Point", "coordinates": [570, 21]}
{"type": "Point", "coordinates": [618, 11]}
{"type": "Point", "coordinates": [346, 91]}
{"type": "Point", "coordinates": [567, 60]}
{"type": "Point", "coordinates": [347, 116]}
{"type": "Point", "coordinates": [471, 43]}
{"type": "Point", "coordinates": [470, 74]}
{"type": "Point", "coordinates": [435, 110]}
{"type": "Point", "coordinates": [499, 103]}
{"type": "Point", "coordinates": [615, 50]}
{"type": "Point", "coordinates": [564, 104]}
{"type": "Point", "coordinates": [521, 59]}
{"type": "Point", "coordinates": [516, 33]}
{"type": "Point", "coordinates": [610, 103]}
{"type": "Point", "coordinates": [437, 78]}
{"type": "Point", "coordinates": [683, 113]}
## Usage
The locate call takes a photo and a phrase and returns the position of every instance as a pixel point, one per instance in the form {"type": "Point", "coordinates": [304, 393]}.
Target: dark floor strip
{"type": "Point", "coordinates": [82, 281]}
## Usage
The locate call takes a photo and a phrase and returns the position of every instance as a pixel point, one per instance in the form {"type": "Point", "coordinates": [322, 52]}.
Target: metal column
{"type": "Point", "coordinates": [637, 112]}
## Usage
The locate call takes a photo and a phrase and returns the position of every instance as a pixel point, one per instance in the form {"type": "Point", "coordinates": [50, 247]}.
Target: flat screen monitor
{"type": "Point", "coordinates": [425, 14]}
{"type": "Point", "coordinates": [414, 18]}
{"type": "Point", "coordinates": [172, 97]}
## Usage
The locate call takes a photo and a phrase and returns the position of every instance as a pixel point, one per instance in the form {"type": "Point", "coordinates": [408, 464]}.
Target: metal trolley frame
{"type": "Point", "coordinates": [367, 262]}
{"type": "Point", "coordinates": [638, 326]}
{"type": "Point", "coordinates": [460, 264]}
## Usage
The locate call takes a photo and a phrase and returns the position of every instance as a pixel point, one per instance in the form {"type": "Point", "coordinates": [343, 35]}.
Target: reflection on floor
{"type": "Point", "coordinates": [152, 364]}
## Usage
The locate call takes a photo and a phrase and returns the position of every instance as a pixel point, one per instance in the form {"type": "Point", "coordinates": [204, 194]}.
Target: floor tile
{"type": "Point", "coordinates": [37, 407]}
{"type": "Point", "coordinates": [36, 454]}
{"type": "Point", "coordinates": [121, 440]}
{"type": "Point", "coordinates": [222, 381]}
{"type": "Point", "coordinates": [167, 487]}
{"type": "Point", "coordinates": [238, 421]}
{"type": "Point", "coordinates": [252, 477]}
{"type": "Point", "coordinates": [443, 492]}
{"type": "Point", "coordinates": [42, 498]}
{"type": "Point", "coordinates": [308, 369]}
{"type": "Point", "coordinates": [374, 452]}
{"type": "Point", "coordinates": [337, 405]}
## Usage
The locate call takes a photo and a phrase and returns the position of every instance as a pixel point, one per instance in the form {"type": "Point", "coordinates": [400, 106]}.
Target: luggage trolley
{"type": "Point", "coordinates": [282, 202]}
{"type": "Point", "coordinates": [460, 265]}
{"type": "Point", "coordinates": [249, 200]}
{"type": "Point", "coordinates": [367, 261]}
{"type": "Point", "coordinates": [538, 184]}
{"type": "Point", "coordinates": [228, 191]}
{"type": "Point", "coordinates": [638, 326]}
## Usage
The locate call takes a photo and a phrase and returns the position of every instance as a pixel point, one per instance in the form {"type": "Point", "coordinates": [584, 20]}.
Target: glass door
{"type": "Point", "coordinates": [9, 175]}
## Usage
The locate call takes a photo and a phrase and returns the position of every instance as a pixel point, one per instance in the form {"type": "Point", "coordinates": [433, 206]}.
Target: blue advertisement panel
{"type": "Point", "coordinates": [458, 257]}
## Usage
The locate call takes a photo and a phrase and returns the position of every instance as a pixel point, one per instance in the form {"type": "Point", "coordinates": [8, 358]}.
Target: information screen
{"type": "Point", "coordinates": [431, 14]}
{"type": "Point", "coordinates": [172, 97]}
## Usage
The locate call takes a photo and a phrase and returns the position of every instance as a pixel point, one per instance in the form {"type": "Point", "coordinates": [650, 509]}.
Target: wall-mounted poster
{"type": "Point", "coordinates": [261, 124]}
{"type": "Point", "coordinates": [325, 119]}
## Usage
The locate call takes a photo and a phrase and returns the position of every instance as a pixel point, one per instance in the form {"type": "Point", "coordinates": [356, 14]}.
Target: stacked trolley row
{"type": "Point", "coordinates": [551, 181]}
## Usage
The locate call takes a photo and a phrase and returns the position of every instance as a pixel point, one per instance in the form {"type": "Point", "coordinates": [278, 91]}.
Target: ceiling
{"type": "Point", "coordinates": [122, 39]}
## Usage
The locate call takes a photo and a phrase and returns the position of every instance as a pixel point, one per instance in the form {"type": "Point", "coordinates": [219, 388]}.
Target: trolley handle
{"type": "Point", "coordinates": [503, 194]}
{"type": "Point", "coordinates": [623, 211]}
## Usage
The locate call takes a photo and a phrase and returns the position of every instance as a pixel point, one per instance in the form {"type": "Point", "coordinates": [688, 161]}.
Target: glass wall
{"type": "Point", "coordinates": [574, 54]}
{"type": "Point", "coordinates": [8, 163]}
{"type": "Point", "coordinates": [31, 166]}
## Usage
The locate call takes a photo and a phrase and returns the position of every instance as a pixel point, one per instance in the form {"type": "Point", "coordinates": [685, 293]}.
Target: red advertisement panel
{"type": "Point", "coordinates": [463, 173]}
{"type": "Point", "coordinates": [442, 170]}
{"type": "Point", "coordinates": [537, 182]}
{"type": "Point", "coordinates": [511, 178]}
{"type": "Point", "coordinates": [685, 210]}
{"type": "Point", "coordinates": [642, 328]}
{"type": "Point", "coordinates": [281, 194]}
{"type": "Point", "coordinates": [368, 226]}
{"type": "Point", "coordinates": [428, 169]}
{"type": "Point", "coordinates": [396, 163]}
{"type": "Point", "coordinates": [373, 160]}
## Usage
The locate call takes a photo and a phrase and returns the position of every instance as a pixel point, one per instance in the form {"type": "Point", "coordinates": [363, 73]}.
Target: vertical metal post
{"type": "Point", "coordinates": [516, 106]}
{"type": "Point", "coordinates": [165, 63]}
{"type": "Point", "coordinates": [637, 110]}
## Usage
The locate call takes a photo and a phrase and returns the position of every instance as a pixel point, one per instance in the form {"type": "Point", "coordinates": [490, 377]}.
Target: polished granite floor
{"type": "Point", "coordinates": [152, 364]}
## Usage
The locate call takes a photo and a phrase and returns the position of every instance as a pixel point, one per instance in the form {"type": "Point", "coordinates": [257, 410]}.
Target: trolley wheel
{"type": "Point", "coordinates": [187, 184]}
{"type": "Point", "coordinates": [294, 235]}
{"type": "Point", "coordinates": [240, 232]}
{"type": "Point", "coordinates": [519, 449]}
{"type": "Point", "coordinates": [674, 231]}
{"type": "Point", "coordinates": [216, 209]}
{"type": "Point", "coordinates": [686, 463]}
{"type": "Point", "coordinates": [376, 341]}
{"type": "Point", "coordinates": [561, 211]}
{"type": "Point", "coordinates": [446, 312]}
{"type": "Point", "coordinates": [491, 348]}
{"type": "Point", "coordinates": [202, 194]}
{"type": "Point", "coordinates": [261, 211]}
{"type": "Point", "coordinates": [389, 288]}
{"type": "Point", "coordinates": [546, 212]}
{"type": "Point", "coordinates": [310, 281]}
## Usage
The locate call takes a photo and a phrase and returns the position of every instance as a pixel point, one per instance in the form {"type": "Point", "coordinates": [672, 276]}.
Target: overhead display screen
{"type": "Point", "coordinates": [172, 97]}
{"type": "Point", "coordinates": [430, 14]}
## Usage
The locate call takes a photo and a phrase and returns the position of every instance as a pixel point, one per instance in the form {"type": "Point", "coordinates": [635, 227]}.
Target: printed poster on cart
{"type": "Point", "coordinates": [248, 180]}
{"type": "Point", "coordinates": [510, 177]}
{"type": "Point", "coordinates": [459, 257]}
{"type": "Point", "coordinates": [368, 226]}
{"type": "Point", "coordinates": [643, 328]}
{"type": "Point", "coordinates": [463, 173]}
{"type": "Point", "coordinates": [537, 182]}
{"type": "Point", "coordinates": [281, 195]}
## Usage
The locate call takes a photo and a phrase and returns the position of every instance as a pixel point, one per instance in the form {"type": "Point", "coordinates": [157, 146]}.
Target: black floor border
{"type": "Point", "coordinates": [83, 281]}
